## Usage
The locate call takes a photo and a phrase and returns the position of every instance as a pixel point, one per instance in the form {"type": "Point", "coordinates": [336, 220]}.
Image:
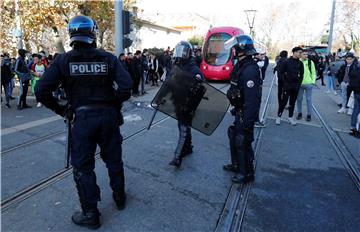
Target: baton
{"type": "Point", "coordinates": [68, 143]}
{"type": "Point", "coordinates": [152, 118]}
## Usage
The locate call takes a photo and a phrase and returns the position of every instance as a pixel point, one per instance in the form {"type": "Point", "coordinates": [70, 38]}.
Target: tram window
{"type": "Point", "coordinates": [215, 52]}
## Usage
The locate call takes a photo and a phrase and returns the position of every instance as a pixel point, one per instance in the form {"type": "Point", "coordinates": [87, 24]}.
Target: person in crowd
{"type": "Point", "coordinates": [198, 56]}
{"type": "Point", "coordinates": [354, 85]}
{"type": "Point", "coordinates": [291, 72]}
{"type": "Point", "coordinates": [261, 62]}
{"type": "Point", "coordinates": [243, 95]}
{"type": "Point", "coordinates": [6, 77]}
{"type": "Point", "coordinates": [145, 68]}
{"type": "Point", "coordinates": [153, 70]}
{"type": "Point", "coordinates": [307, 85]}
{"type": "Point", "coordinates": [281, 61]}
{"type": "Point", "coordinates": [12, 82]}
{"type": "Point", "coordinates": [266, 64]}
{"type": "Point", "coordinates": [320, 68]}
{"type": "Point", "coordinates": [93, 110]}
{"type": "Point", "coordinates": [343, 78]}
{"type": "Point", "coordinates": [122, 60]}
{"type": "Point", "coordinates": [138, 72]}
{"type": "Point", "coordinates": [23, 74]}
{"type": "Point", "coordinates": [129, 65]}
{"type": "Point", "coordinates": [168, 63]}
{"type": "Point", "coordinates": [44, 60]}
{"type": "Point", "coordinates": [37, 70]}
{"type": "Point", "coordinates": [330, 74]}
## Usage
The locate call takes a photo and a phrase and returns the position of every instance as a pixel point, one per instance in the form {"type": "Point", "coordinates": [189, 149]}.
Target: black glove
{"type": "Point", "coordinates": [61, 110]}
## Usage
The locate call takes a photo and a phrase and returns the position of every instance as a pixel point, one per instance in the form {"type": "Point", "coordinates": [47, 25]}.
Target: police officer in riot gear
{"type": "Point", "coordinates": [88, 75]}
{"type": "Point", "coordinates": [184, 60]}
{"type": "Point", "coordinates": [244, 96]}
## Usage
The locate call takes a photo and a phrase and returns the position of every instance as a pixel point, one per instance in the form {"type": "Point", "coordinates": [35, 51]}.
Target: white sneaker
{"type": "Point", "coordinates": [328, 91]}
{"type": "Point", "coordinates": [277, 121]}
{"type": "Point", "coordinates": [292, 122]}
{"type": "Point", "coordinates": [342, 110]}
{"type": "Point", "coordinates": [39, 105]}
{"type": "Point", "coordinates": [350, 111]}
{"type": "Point", "coordinates": [335, 93]}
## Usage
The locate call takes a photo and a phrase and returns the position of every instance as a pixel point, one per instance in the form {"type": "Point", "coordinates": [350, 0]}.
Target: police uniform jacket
{"type": "Point", "coordinates": [248, 81]}
{"type": "Point", "coordinates": [88, 76]}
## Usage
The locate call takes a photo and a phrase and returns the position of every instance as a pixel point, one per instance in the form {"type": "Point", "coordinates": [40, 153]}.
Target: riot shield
{"type": "Point", "coordinates": [198, 104]}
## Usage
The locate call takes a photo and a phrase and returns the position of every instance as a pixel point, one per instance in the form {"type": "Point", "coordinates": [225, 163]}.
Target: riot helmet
{"type": "Point", "coordinates": [82, 29]}
{"type": "Point", "coordinates": [242, 44]}
{"type": "Point", "coordinates": [183, 52]}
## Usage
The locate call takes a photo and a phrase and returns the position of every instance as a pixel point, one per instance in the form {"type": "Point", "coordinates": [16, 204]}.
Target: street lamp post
{"type": "Point", "coordinates": [250, 16]}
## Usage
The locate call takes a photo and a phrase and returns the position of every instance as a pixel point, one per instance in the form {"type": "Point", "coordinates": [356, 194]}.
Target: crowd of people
{"type": "Point", "coordinates": [297, 75]}
{"type": "Point", "coordinates": [144, 68]}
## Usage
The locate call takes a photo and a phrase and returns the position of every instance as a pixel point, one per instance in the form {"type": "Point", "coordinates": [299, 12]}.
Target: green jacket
{"type": "Point", "coordinates": [309, 77]}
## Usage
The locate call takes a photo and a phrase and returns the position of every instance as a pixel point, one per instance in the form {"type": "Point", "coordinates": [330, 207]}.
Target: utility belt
{"type": "Point", "coordinates": [94, 107]}
{"type": "Point", "coordinates": [120, 117]}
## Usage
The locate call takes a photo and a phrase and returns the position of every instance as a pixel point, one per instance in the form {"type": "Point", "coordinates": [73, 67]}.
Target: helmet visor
{"type": "Point", "coordinates": [230, 43]}
{"type": "Point", "coordinates": [182, 51]}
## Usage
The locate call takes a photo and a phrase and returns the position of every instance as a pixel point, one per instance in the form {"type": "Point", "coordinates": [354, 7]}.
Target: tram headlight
{"type": "Point", "coordinates": [204, 67]}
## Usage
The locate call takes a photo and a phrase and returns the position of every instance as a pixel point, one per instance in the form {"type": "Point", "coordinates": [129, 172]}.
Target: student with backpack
{"type": "Point", "coordinates": [307, 85]}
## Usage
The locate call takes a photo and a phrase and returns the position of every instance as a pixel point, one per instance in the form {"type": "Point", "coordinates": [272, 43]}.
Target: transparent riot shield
{"type": "Point", "coordinates": [195, 103]}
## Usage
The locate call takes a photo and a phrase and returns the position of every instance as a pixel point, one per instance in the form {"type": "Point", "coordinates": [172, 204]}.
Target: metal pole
{"type": "Point", "coordinates": [250, 16]}
{"type": "Point", "coordinates": [332, 19]}
{"type": "Point", "coordinates": [18, 25]}
{"type": "Point", "coordinates": [118, 27]}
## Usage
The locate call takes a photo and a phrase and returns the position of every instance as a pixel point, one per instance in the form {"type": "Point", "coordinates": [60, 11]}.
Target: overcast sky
{"type": "Point", "coordinates": [312, 14]}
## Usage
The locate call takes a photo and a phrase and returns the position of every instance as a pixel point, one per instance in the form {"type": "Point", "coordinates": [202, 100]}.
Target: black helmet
{"type": "Point", "coordinates": [242, 44]}
{"type": "Point", "coordinates": [82, 29]}
{"type": "Point", "coordinates": [183, 51]}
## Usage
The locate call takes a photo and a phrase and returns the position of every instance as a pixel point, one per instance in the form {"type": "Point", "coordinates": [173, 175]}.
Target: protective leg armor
{"type": "Point", "coordinates": [183, 134]}
{"type": "Point", "coordinates": [89, 195]}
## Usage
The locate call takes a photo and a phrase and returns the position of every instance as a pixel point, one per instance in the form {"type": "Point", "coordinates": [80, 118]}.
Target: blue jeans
{"type": "Point", "coordinates": [143, 81]}
{"type": "Point", "coordinates": [308, 89]}
{"type": "Point", "coordinates": [356, 110]}
{"type": "Point", "coordinates": [11, 86]}
{"type": "Point", "coordinates": [330, 83]}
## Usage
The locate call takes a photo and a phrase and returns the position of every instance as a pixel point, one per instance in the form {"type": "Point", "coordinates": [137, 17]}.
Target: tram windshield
{"type": "Point", "coordinates": [214, 51]}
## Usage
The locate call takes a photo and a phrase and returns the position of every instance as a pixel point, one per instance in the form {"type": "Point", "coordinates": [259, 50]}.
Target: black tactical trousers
{"type": "Point", "coordinates": [92, 127]}
{"type": "Point", "coordinates": [184, 141]}
{"type": "Point", "coordinates": [242, 154]}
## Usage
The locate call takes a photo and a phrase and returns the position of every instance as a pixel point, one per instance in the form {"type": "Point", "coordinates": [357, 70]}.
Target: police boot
{"type": "Point", "coordinates": [187, 150]}
{"type": "Point", "coordinates": [239, 179]}
{"type": "Point", "coordinates": [120, 199]}
{"type": "Point", "coordinates": [176, 161]}
{"type": "Point", "coordinates": [89, 218]}
{"type": "Point", "coordinates": [234, 165]}
{"type": "Point", "coordinates": [231, 168]}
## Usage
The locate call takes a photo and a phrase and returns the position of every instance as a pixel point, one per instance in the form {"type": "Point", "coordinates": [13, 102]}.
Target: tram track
{"type": "Point", "coordinates": [41, 139]}
{"type": "Point", "coordinates": [44, 183]}
{"type": "Point", "coordinates": [349, 161]}
{"type": "Point", "coordinates": [232, 215]}
{"type": "Point", "coordinates": [40, 185]}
